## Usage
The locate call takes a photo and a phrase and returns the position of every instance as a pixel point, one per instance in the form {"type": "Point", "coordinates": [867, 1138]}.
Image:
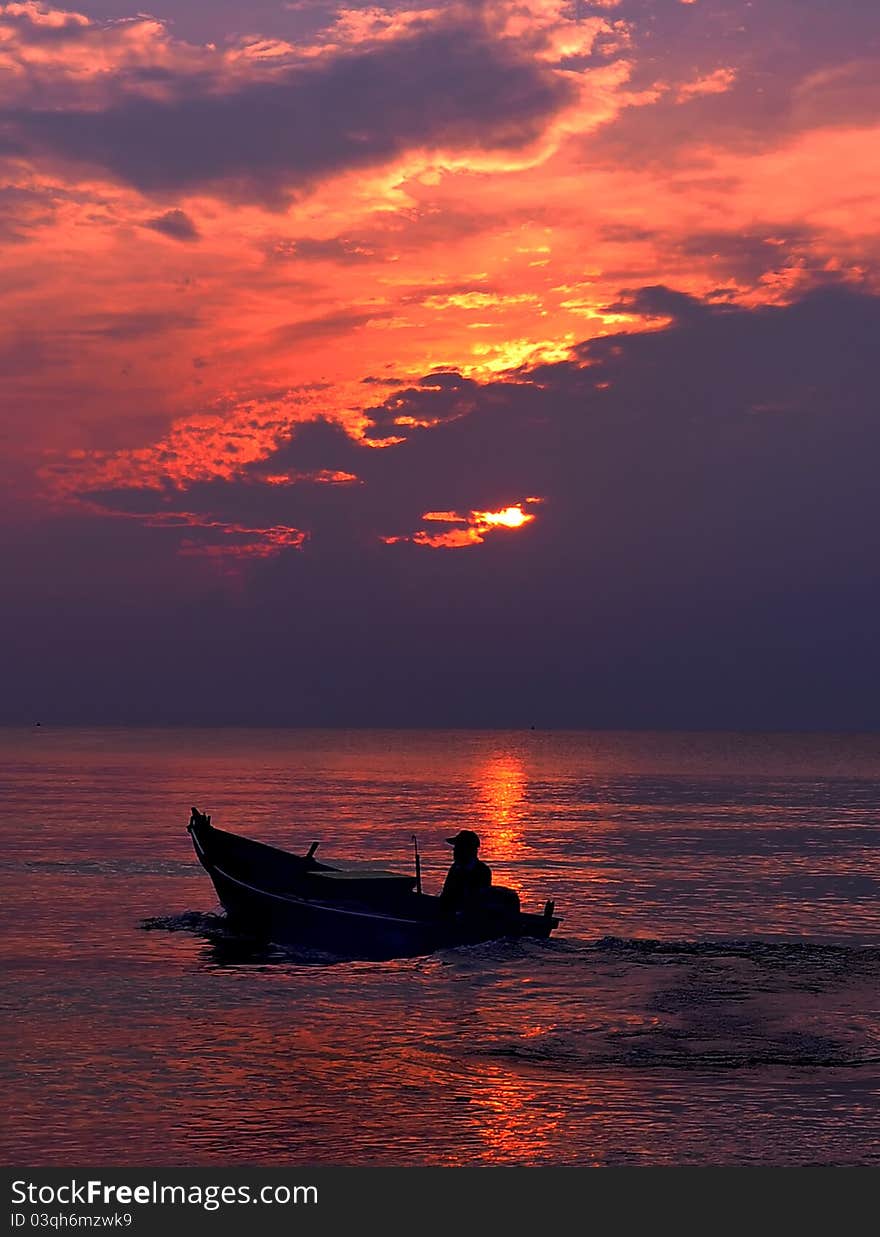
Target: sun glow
{"type": "Point", "coordinates": [471, 527]}
{"type": "Point", "coordinates": [510, 517]}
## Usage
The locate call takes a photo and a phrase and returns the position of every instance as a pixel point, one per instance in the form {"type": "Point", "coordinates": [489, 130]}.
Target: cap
{"type": "Point", "coordinates": [465, 836]}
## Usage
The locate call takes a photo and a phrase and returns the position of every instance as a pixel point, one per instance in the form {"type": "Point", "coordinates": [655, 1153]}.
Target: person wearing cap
{"type": "Point", "coordinates": [469, 876]}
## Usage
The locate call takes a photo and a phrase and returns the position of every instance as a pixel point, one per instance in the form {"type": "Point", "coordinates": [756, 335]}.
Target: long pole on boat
{"type": "Point", "coordinates": [418, 864]}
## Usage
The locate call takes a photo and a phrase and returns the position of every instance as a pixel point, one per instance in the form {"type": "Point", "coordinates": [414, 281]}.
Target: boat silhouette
{"type": "Point", "coordinates": [352, 912]}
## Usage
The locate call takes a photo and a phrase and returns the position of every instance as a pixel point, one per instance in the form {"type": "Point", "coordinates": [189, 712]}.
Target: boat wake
{"type": "Point", "coordinates": [663, 1051]}
{"type": "Point", "coordinates": [769, 953]}
{"type": "Point", "coordinates": [712, 1007]}
{"type": "Point", "coordinates": [800, 960]}
{"type": "Point", "coordinates": [200, 922]}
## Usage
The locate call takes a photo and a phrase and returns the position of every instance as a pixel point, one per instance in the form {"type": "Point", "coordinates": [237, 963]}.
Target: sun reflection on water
{"type": "Point", "coordinates": [513, 1125]}
{"type": "Point", "coordinates": [502, 790]}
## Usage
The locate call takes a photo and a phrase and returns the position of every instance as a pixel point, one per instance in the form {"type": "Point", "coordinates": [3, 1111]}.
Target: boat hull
{"type": "Point", "coordinates": [278, 904]}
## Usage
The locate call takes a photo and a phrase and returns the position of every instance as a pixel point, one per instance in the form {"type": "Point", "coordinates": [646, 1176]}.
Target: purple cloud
{"type": "Point", "coordinates": [174, 223]}
{"type": "Point", "coordinates": [261, 138]}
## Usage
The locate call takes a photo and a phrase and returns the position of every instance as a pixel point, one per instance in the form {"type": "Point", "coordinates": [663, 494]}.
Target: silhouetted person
{"type": "Point", "coordinates": [468, 877]}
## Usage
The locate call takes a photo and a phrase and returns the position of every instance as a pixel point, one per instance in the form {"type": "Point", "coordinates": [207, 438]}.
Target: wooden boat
{"type": "Point", "coordinates": [354, 912]}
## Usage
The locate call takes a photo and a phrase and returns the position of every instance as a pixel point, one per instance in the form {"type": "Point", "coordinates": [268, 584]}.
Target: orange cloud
{"type": "Point", "coordinates": [132, 358]}
{"type": "Point", "coordinates": [712, 83]}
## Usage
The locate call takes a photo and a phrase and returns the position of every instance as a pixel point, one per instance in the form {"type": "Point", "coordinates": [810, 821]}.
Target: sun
{"type": "Point", "coordinates": [510, 517]}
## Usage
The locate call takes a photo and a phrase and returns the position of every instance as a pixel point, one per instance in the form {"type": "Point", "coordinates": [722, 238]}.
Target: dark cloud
{"type": "Point", "coordinates": [134, 324]}
{"type": "Point", "coordinates": [627, 233]}
{"type": "Point", "coordinates": [23, 351]}
{"type": "Point", "coordinates": [706, 551]}
{"type": "Point", "coordinates": [336, 249]}
{"type": "Point", "coordinates": [23, 210]}
{"type": "Point", "coordinates": [748, 255]}
{"type": "Point", "coordinates": [673, 483]}
{"type": "Point", "coordinates": [799, 64]}
{"type": "Point", "coordinates": [174, 223]}
{"type": "Point", "coordinates": [787, 39]}
{"type": "Point", "coordinates": [446, 84]}
{"type": "Point", "coordinates": [705, 555]}
{"type": "Point", "coordinates": [689, 400]}
{"type": "Point", "coordinates": [323, 325]}
{"type": "Point", "coordinates": [843, 94]}
{"type": "Point", "coordinates": [657, 301]}
{"type": "Point", "coordinates": [390, 419]}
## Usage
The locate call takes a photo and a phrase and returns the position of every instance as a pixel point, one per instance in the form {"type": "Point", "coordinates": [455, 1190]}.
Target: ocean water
{"type": "Point", "coordinates": [711, 997]}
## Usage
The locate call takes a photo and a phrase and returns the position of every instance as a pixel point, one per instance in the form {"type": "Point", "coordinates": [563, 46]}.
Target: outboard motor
{"type": "Point", "coordinates": [501, 900]}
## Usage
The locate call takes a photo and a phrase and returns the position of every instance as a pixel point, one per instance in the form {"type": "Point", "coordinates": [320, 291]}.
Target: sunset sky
{"type": "Point", "coordinates": [506, 362]}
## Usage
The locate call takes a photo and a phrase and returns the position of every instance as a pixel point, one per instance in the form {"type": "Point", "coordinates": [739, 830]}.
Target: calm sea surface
{"type": "Point", "coordinates": [712, 996]}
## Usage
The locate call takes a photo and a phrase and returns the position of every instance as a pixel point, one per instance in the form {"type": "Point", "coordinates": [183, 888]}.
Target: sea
{"type": "Point", "coordinates": [712, 995]}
